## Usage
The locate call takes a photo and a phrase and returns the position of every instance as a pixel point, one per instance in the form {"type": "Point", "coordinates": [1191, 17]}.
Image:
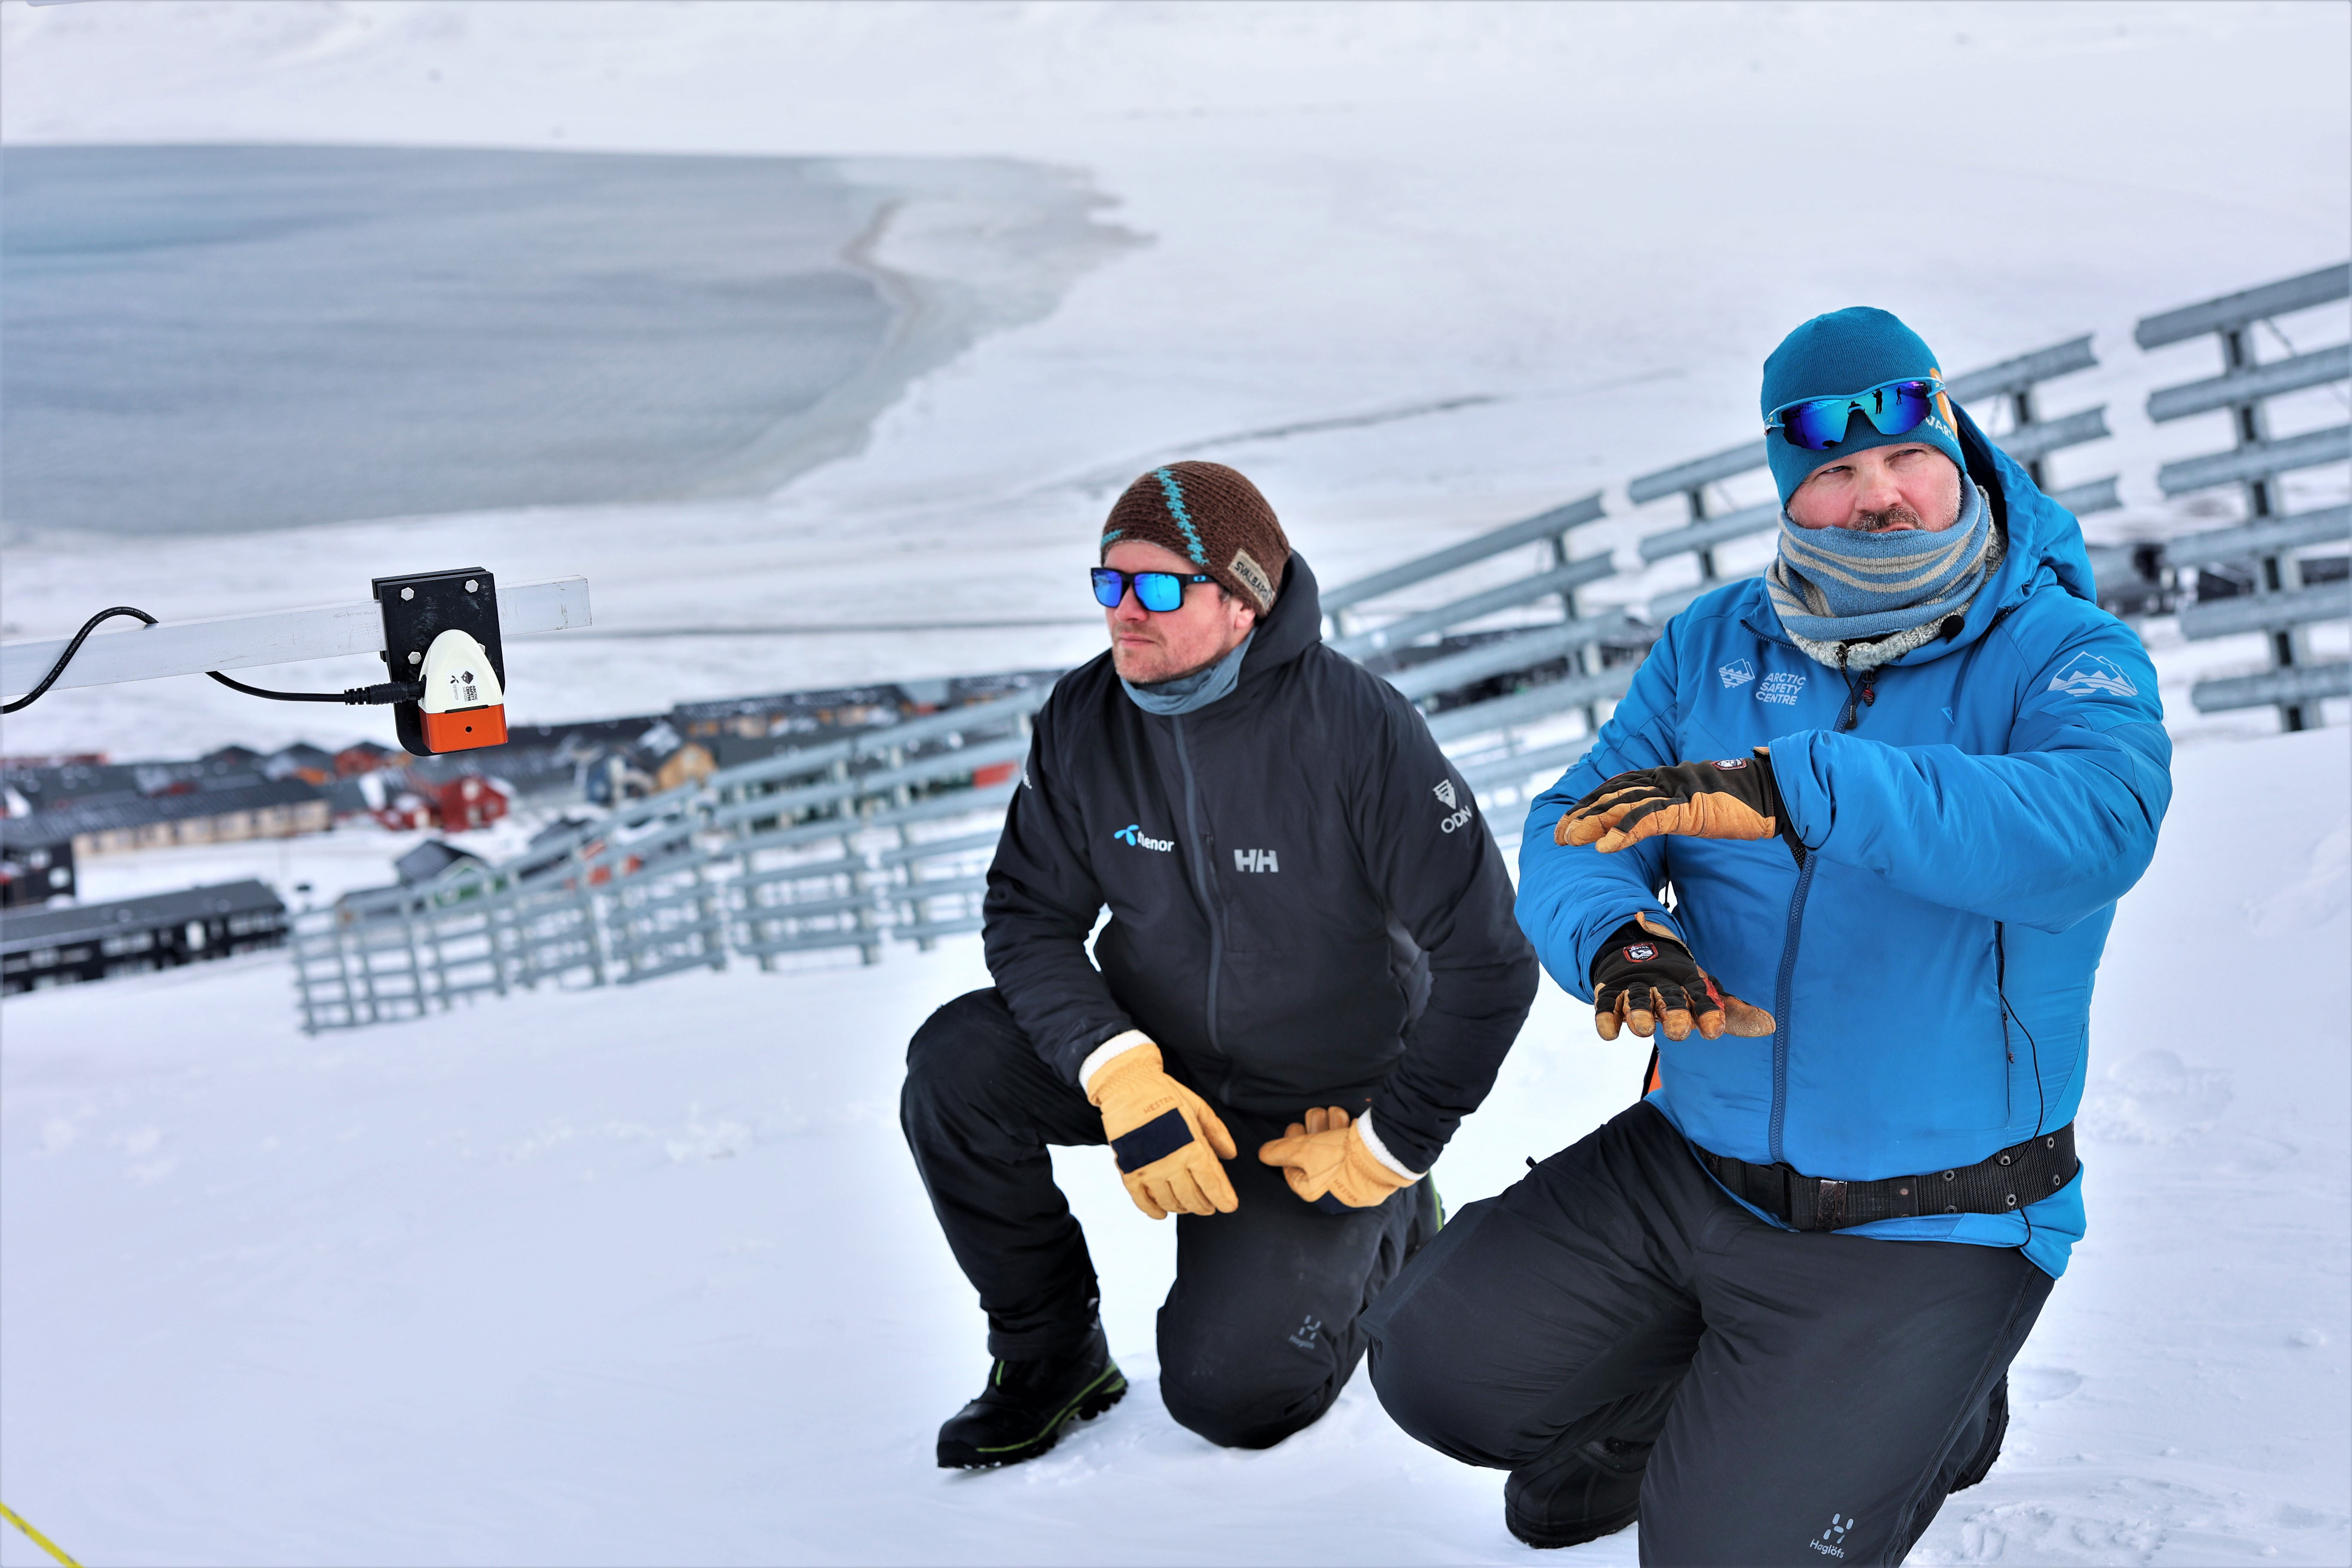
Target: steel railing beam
{"type": "Point", "coordinates": [1524, 651]}
{"type": "Point", "coordinates": [2320, 287]}
{"type": "Point", "coordinates": [2270, 537]}
{"type": "Point", "coordinates": [1712, 531]}
{"type": "Point", "coordinates": [2313, 369]}
{"type": "Point", "coordinates": [2257, 461]}
{"type": "Point", "coordinates": [2266, 612]}
{"type": "Point", "coordinates": [1398, 633]}
{"type": "Point", "coordinates": [2295, 685]}
{"type": "Point", "coordinates": [1544, 525]}
{"type": "Point", "coordinates": [2029, 442]}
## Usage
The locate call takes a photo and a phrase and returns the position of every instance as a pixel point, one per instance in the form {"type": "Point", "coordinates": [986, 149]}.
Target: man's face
{"type": "Point", "coordinates": [1880, 489]}
{"type": "Point", "coordinates": [1148, 646]}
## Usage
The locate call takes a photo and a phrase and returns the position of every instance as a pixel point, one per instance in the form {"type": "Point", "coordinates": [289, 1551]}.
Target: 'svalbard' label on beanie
{"type": "Point", "coordinates": [1251, 572]}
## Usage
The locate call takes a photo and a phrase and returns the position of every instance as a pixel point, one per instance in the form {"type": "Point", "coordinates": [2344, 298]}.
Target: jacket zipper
{"type": "Point", "coordinates": [1856, 699]}
{"type": "Point", "coordinates": [1781, 992]}
{"type": "Point", "coordinates": [1208, 893]}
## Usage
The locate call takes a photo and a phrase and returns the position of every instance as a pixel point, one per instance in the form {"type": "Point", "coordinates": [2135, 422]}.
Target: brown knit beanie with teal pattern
{"type": "Point", "coordinates": [1211, 516]}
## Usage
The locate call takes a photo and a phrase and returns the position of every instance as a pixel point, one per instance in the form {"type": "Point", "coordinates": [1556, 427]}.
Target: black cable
{"type": "Point", "coordinates": [71, 649]}
{"type": "Point", "coordinates": [356, 697]}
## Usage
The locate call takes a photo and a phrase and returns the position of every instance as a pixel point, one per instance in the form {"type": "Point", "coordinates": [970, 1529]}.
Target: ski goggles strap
{"type": "Point", "coordinates": [1892, 409]}
{"type": "Point", "coordinates": [1156, 591]}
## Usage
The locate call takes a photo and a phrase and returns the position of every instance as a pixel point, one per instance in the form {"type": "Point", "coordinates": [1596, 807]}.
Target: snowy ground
{"type": "Point", "coordinates": [635, 1276]}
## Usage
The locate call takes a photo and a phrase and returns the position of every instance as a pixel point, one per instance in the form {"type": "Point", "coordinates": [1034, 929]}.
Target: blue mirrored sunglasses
{"type": "Point", "coordinates": [1161, 591]}
{"type": "Point", "coordinates": [1893, 408]}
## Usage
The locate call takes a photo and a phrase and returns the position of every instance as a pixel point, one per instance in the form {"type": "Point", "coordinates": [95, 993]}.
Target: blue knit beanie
{"type": "Point", "coordinates": [1847, 351]}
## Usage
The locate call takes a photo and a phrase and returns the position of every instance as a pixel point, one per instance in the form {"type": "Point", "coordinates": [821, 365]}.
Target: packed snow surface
{"type": "Point", "coordinates": [646, 1275]}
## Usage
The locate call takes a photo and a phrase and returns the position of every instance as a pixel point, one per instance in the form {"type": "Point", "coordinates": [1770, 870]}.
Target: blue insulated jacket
{"type": "Point", "coordinates": [1969, 827]}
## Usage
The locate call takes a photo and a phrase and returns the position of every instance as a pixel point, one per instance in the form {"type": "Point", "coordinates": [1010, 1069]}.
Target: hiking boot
{"type": "Point", "coordinates": [1026, 1404]}
{"type": "Point", "coordinates": [1592, 1491]}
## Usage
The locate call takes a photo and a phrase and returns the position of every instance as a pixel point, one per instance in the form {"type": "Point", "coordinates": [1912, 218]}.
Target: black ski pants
{"type": "Point", "coordinates": [1264, 1325]}
{"type": "Point", "coordinates": [1812, 1396]}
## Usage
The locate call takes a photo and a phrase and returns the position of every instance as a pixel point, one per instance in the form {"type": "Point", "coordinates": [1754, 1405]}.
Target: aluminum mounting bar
{"type": "Point", "coordinates": [275, 636]}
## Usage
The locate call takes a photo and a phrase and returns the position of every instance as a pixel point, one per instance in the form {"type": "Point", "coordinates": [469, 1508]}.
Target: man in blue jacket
{"type": "Point", "coordinates": [1850, 847]}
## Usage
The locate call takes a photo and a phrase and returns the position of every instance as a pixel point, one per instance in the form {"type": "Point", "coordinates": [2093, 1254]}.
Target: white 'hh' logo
{"type": "Point", "coordinates": [1255, 861]}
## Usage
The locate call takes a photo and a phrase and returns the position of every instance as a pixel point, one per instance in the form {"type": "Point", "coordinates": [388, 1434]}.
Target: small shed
{"type": "Point", "coordinates": [40, 948]}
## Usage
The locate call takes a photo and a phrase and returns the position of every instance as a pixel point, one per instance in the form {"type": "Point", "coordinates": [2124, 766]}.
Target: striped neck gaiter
{"type": "Point", "coordinates": [1837, 584]}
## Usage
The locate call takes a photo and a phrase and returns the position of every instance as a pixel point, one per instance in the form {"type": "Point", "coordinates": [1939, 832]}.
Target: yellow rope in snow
{"type": "Point", "coordinates": [43, 1541]}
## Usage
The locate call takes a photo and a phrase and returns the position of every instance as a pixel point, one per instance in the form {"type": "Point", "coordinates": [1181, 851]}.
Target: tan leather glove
{"type": "Point", "coordinates": [1165, 1138]}
{"type": "Point", "coordinates": [1325, 1154]}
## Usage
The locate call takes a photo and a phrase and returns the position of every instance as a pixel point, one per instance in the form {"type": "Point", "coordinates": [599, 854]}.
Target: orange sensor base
{"type": "Point", "coordinates": [466, 729]}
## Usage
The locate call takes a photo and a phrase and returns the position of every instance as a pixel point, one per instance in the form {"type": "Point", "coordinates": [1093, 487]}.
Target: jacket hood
{"type": "Point", "coordinates": [1291, 627]}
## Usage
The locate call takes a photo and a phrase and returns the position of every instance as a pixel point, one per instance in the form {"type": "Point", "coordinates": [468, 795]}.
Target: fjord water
{"type": "Point", "coordinates": [222, 339]}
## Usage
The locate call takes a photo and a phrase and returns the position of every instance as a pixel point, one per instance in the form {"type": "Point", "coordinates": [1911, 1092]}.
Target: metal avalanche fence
{"type": "Point", "coordinates": [883, 839]}
{"type": "Point", "coordinates": [2279, 604]}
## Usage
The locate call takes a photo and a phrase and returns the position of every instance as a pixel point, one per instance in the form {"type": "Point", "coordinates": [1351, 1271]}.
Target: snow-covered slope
{"type": "Point", "coordinates": [635, 1276]}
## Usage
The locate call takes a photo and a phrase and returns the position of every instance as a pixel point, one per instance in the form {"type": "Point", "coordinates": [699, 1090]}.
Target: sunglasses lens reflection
{"type": "Point", "coordinates": [1109, 586]}
{"type": "Point", "coordinates": [1159, 590]}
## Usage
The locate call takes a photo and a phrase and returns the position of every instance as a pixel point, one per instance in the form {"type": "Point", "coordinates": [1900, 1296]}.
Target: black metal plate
{"type": "Point", "coordinates": [419, 607]}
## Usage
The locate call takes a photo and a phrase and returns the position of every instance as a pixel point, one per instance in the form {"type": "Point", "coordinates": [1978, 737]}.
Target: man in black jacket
{"type": "Point", "coordinates": [1310, 940]}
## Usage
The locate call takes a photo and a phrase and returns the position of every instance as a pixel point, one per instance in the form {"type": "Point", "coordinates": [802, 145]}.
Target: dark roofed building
{"type": "Point", "coordinates": [91, 941]}
{"type": "Point", "coordinates": [117, 824]}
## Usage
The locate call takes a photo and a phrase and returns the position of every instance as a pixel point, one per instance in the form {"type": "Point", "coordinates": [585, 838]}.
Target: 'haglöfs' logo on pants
{"type": "Point", "coordinates": [1826, 1542]}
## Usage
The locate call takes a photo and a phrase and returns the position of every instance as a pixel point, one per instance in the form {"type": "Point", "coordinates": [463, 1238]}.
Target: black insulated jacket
{"type": "Point", "coordinates": [1305, 906]}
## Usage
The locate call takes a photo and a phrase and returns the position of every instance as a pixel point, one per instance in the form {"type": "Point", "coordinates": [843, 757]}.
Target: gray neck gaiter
{"type": "Point", "coordinates": [1191, 693]}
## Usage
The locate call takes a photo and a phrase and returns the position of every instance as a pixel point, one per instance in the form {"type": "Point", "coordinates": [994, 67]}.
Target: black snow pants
{"type": "Point", "coordinates": [1812, 1396]}
{"type": "Point", "coordinates": [1264, 1325]}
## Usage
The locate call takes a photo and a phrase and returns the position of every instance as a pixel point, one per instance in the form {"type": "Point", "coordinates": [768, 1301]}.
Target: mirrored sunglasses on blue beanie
{"type": "Point", "coordinates": [1156, 591]}
{"type": "Point", "coordinates": [1892, 409]}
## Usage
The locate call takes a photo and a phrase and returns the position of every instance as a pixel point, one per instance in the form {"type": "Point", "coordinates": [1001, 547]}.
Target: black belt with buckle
{"type": "Point", "coordinates": [2012, 1178]}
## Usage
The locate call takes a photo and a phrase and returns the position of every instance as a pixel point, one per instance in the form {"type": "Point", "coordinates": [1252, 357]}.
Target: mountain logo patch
{"type": "Point", "coordinates": [2090, 674]}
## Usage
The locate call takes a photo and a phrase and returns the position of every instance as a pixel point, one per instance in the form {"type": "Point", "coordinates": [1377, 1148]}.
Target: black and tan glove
{"type": "Point", "coordinates": [1732, 799]}
{"type": "Point", "coordinates": [1645, 979]}
{"type": "Point", "coordinates": [1167, 1141]}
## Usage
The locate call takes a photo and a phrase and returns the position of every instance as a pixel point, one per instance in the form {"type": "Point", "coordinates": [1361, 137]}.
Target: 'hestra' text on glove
{"type": "Point", "coordinates": [1645, 979]}
{"type": "Point", "coordinates": [1165, 1138]}
{"type": "Point", "coordinates": [1731, 799]}
{"type": "Point", "coordinates": [1325, 1154]}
